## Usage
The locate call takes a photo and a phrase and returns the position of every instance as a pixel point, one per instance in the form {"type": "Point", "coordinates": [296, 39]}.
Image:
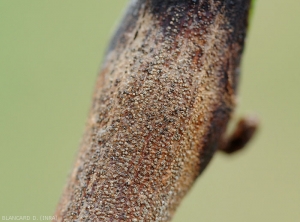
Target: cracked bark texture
{"type": "Point", "coordinates": [160, 108]}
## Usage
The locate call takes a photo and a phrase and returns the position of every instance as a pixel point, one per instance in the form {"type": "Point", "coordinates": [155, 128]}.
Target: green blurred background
{"type": "Point", "coordinates": [50, 53]}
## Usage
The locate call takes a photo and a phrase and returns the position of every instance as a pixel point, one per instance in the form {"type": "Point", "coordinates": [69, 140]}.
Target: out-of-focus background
{"type": "Point", "coordinates": [50, 54]}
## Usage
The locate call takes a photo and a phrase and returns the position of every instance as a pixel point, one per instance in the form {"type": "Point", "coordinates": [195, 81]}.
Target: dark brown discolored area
{"type": "Point", "coordinates": [160, 108]}
{"type": "Point", "coordinates": [243, 133]}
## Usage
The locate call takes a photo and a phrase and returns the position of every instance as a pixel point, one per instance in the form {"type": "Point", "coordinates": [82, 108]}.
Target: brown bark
{"type": "Point", "coordinates": [160, 108]}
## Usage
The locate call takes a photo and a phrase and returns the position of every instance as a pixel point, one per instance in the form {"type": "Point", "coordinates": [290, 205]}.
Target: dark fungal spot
{"type": "Point", "coordinates": [135, 35]}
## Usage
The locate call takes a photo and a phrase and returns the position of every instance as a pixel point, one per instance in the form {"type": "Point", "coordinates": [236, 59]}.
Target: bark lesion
{"type": "Point", "coordinates": [161, 105]}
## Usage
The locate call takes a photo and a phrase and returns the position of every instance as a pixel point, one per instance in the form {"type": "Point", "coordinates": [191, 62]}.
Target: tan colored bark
{"type": "Point", "coordinates": [160, 108]}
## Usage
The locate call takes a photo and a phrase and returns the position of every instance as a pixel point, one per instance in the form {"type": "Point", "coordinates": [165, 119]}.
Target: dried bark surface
{"type": "Point", "coordinates": [160, 108]}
